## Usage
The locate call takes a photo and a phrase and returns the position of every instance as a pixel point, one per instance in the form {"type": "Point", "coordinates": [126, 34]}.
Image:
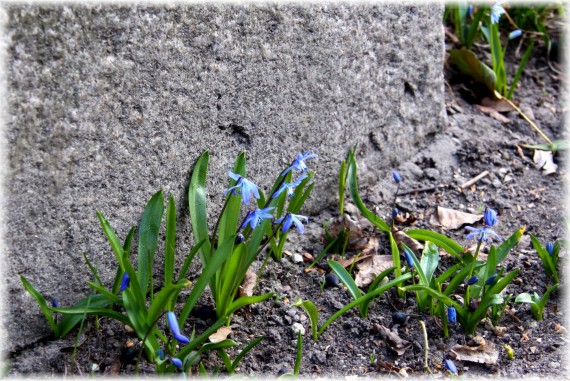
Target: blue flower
{"type": "Point", "coordinates": [395, 212]}
{"type": "Point", "coordinates": [289, 219]}
{"type": "Point", "coordinates": [485, 233]}
{"type": "Point", "coordinates": [492, 279]}
{"type": "Point", "coordinates": [396, 176]}
{"type": "Point", "coordinates": [490, 217]}
{"type": "Point", "coordinates": [515, 34]}
{"type": "Point", "coordinates": [177, 362]}
{"type": "Point", "coordinates": [408, 257]}
{"type": "Point", "coordinates": [289, 186]}
{"type": "Point", "coordinates": [54, 303]}
{"type": "Point", "coordinates": [550, 248]}
{"type": "Point", "coordinates": [299, 162]}
{"type": "Point", "coordinates": [245, 187]}
{"type": "Point", "coordinates": [469, 10]}
{"type": "Point", "coordinates": [451, 366]}
{"type": "Point", "coordinates": [254, 218]}
{"type": "Point", "coordinates": [472, 280]}
{"type": "Point", "coordinates": [452, 315]}
{"type": "Point", "coordinates": [173, 324]}
{"type": "Point", "coordinates": [497, 11]}
{"type": "Point", "coordinates": [125, 282]}
{"type": "Point", "coordinates": [160, 354]}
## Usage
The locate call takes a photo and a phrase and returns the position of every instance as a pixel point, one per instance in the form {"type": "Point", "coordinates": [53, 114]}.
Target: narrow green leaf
{"type": "Point", "coordinates": [440, 240]}
{"type": "Point", "coordinates": [509, 244]}
{"type": "Point", "coordinates": [522, 64]}
{"type": "Point", "coordinates": [42, 303]}
{"type": "Point", "coordinates": [301, 194]}
{"type": "Point", "coordinates": [468, 63]}
{"type": "Point", "coordinates": [430, 260]}
{"type": "Point", "coordinates": [230, 218]}
{"type": "Point", "coordinates": [546, 295]}
{"type": "Point", "coordinates": [197, 205]}
{"type": "Point", "coordinates": [148, 238]}
{"type": "Point", "coordinates": [345, 277]}
{"type": "Point", "coordinates": [524, 298]}
{"type": "Point", "coordinates": [396, 259]}
{"type": "Point", "coordinates": [126, 251]}
{"type": "Point", "coordinates": [353, 188]}
{"type": "Point", "coordinates": [170, 241]}
{"type": "Point", "coordinates": [245, 351]}
{"type": "Point", "coordinates": [313, 313]}
{"type": "Point", "coordinates": [162, 300]}
{"type": "Point", "coordinates": [93, 311]}
{"type": "Point", "coordinates": [68, 322]}
{"type": "Point", "coordinates": [93, 269]}
{"type": "Point", "coordinates": [461, 311]}
{"type": "Point", "coordinates": [102, 290]}
{"type": "Point", "coordinates": [373, 286]}
{"type": "Point", "coordinates": [299, 356]}
{"type": "Point", "coordinates": [342, 186]}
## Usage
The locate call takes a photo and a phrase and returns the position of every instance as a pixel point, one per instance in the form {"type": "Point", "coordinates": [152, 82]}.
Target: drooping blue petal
{"type": "Point", "coordinates": [175, 329]}
{"type": "Point", "coordinates": [397, 177]}
{"type": "Point", "coordinates": [125, 282]}
{"type": "Point", "coordinates": [177, 362]}
{"type": "Point", "coordinates": [451, 366]}
{"type": "Point", "coordinates": [452, 315]}
{"type": "Point", "coordinates": [490, 217]}
{"type": "Point", "coordinates": [299, 162]}
{"type": "Point", "coordinates": [549, 248]}
{"type": "Point", "coordinates": [289, 219]}
{"type": "Point", "coordinates": [497, 11]}
{"type": "Point", "coordinates": [408, 256]}
{"type": "Point", "coordinates": [254, 218]}
{"type": "Point", "coordinates": [472, 280]}
{"type": "Point", "coordinates": [244, 186]}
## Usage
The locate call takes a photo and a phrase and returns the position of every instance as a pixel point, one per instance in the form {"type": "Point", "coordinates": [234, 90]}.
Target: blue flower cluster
{"type": "Point", "coordinates": [485, 233]}
{"type": "Point", "coordinates": [246, 188]}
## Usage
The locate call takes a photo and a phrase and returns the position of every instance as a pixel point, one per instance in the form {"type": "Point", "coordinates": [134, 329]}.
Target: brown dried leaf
{"type": "Point", "coordinates": [400, 236]}
{"type": "Point", "coordinates": [560, 329]}
{"type": "Point", "coordinates": [453, 219]}
{"type": "Point", "coordinates": [394, 341]}
{"type": "Point", "coordinates": [499, 105]}
{"type": "Point", "coordinates": [370, 268]}
{"type": "Point", "coordinates": [248, 284]}
{"type": "Point", "coordinates": [493, 113]}
{"type": "Point", "coordinates": [357, 258]}
{"type": "Point", "coordinates": [372, 246]}
{"type": "Point", "coordinates": [221, 334]}
{"type": "Point", "coordinates": [544, 161]}
{"type": "Point", "coordinates": [484, 353]}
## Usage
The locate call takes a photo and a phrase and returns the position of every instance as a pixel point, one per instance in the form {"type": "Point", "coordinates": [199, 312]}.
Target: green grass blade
{"type": "Point", "coordinates": [313, 313]}
{"type": "Point", "coordinates": [461, 311]}
{"type": "Point", "coordinates": [509, 244]}
{"type": "Point", "coordinates": [396, 260]}
{"type": "Point", "coordinates": [170, 241]}
{"type": "Point", "coordinates": [247, 300]}
{"type": "Point", "coordinates": [353, 189]}
{"type": "Point", "coordinates": [301, 194]}
{"type": "Point", "coordinates": [197, 205]}
{"type": "Point", "coordinates": [430, 260]}
{"type": "Point", "coordinates": [162, 301]}
{"type": "Point", "coordinates": [68, 322]}
{"type": "Point", "coordinates": [230, 218]}
{"type": "Point", "coordinates": [42, 303]}
{"type": "Point", "coordinates": [373, 286]}
{"type": "Point", "coordinates": [448, 273]}
{"type": "Point", "coordinates": [245, 351]}
{"type": "Point", "coordinates": [148, 238]}
{"type": "Point", "coordinates": [103, 291]}
{"type": "Point", "coordinates": [546, 295]}
{"type": "Point", "coordinates": [126, 252]}
{"type": "Point", "coordinates": [520, 69]}
{"type": "Point", "coordinates": [93, 270]}
{"type": "Point", "coordinates": [94, 311]}
{"type": "Point", "coordinates": [345, 277]}
{"type": "Point", "coordinates": [342, 186]}
{"type": "Point", "coordinates": [547, 263]}
{"type": "Point", "coordinates": [440, 240]}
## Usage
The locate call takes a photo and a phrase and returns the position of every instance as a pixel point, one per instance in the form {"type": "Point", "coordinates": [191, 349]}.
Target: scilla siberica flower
{"type": "Point", "coordinates": [472, 280]}
{"type": "Point", "coordinates": [299, 162]}
{"type": "Point", "coordinates": [54, 303]}
{"type": "Point", "coordinates": [408, 257]}
{"type": "Point", "coordinates": [483, 234]}
{"type": "Point", "coordinates": [452, 315]}
{"type": "Point", "coordinates": [177, 362]}
{"type": "Point", "coordinates": [497, 11]}
{"type": "Point", "coordinates": [289, 219]}
{"type": "Point", "coordinates": [550, 248]}
{"type": "Point", "coordinates": [254, 218]}
{"type": "Point", "coordinates": [125, 282]}
{"type": "Point", "coordinates": [245, 187]}
{"type": "Point", "coordinates": [397, 177]}
{"type": "Point", "coordinates": [492, 279]}
{"type": "Point", "coordinates": [451, 366]}
{"type": "Point", "coordinates": [289, 186]}
{"type": "Point", "coordinates": [173, 324]}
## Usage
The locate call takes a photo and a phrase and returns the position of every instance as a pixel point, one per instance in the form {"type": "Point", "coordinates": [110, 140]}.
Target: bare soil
{"type": "Point", "coordinates": [471, 143]}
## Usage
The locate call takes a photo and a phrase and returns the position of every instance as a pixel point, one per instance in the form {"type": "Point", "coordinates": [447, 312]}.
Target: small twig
{"type": "Point", "coordinates": [426, 189]}
{"type": "Point", "coordinates": [426, 345]}
{"type": "Point", "coordinates": [468, 183]}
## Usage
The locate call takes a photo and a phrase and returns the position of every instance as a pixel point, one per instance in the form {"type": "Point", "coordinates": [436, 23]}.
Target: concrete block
{"type": "Point", "coordinates": [108, 104]}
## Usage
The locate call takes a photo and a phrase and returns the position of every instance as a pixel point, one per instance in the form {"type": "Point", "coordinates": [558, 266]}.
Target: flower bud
{"type": "Point", "coordinates": [472, 280]}
{"type": "Point", "coordinates": [515, 34]}
{"type": "Point", "coordinates": [452, 315]}
{"type": "Point", "coordinates": [492, 279]}
{"type": "Point", "coordinates": [550, 248]}
{"type": "Point", "coordinates": [451, 366]}
{"type": "Point", "coordinates": [177, 362]}
{"type": "Point", "coordinates": [54, 303]}
{"type": "Point", "coordinates": [490, 217]}
{"type": "Point", "coordinates": [124, 282]}
{"type": "Point", "coordinates": [396, 176]}
{"type": "Point", "coordinates": [409, 259]}
{"type": "Point", "coordinates": [239, 239]}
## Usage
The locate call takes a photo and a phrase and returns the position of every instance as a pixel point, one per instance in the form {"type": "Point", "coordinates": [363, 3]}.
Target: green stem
{"type": "Point", "coordinates": [146, 337]}
{"type": "Point", "coordinates": [467, 300]}
{"type": "Point", "coordinates": [213, 236]}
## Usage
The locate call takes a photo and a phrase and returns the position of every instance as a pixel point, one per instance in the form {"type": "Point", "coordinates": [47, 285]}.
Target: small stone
{"type": "Point", "coordinates": [128, 329]}
{"type": "Point", "coordinates": [283, 371]}
{"type": "Point", "coordinates": [331, 280]}
{"type": "Point", "coordinates": [554, 365]}
{"type": "Point", "coordinates": [296, 258]}
{"type": "Point", "coordinates": [288, 319]}
{"type": "Point", "coordinates": [399, 317]}
{"type": "Point", "coordinates": [298, 327]}
{"type": "Point", "coordinates": [94, 367]}
{"type": "Point", "coordinates": [518, 281]}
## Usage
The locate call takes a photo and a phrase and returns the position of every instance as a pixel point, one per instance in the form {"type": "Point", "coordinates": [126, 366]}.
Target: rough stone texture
{"type": "Point", "coordinates": [109, 104]}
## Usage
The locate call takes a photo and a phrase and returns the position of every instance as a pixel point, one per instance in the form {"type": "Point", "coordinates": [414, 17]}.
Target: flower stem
{"type": "Point", "coordinates": [213, 236]}
{"type": "Point", "coordinates": [467, 300]}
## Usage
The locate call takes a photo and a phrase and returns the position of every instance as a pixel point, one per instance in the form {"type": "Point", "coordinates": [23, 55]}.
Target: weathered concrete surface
{"type": "Point", "coordinates": [109, 104]}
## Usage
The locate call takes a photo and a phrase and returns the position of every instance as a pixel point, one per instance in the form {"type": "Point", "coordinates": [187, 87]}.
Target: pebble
{"type": "Point", "coordinates": [554, 365]}
{"type": "Point", "coordinates": [298, 327]}
{"type": "Point", "coordinates": [296, 258]}
{"type": "Point", "coordinates": [331, 280]}
{"type": "Point", "coordinates": [288, 319]}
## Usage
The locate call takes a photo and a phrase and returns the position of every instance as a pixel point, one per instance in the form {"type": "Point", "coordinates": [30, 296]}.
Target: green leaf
{"type": "Point", "coordinates": [197, 205]}
{"type": "Point", "coordinates": [469, 64]}
{"type": "Point", "coordinates": [299, 356]}
{"type": "Point", "coordinates": [461, 311]}
{"type": "Point", "coordinates": [353, 189]}
{"type": "Point", "coordinates": [68, 322]}
{"type": "Point", "coordinates": [459, 278]}
{"type": "Point", "coordinates": [161, 301]}
{"type": "Point", "coordinates": [520, 69]}
{"type": "Point", "coordinates": [313, 315]}
{"type": "Point", "coordinates": [126, 251]}
{"type": "Point", "coordinates": [547, 262]}
{"type": "Point", "coordinates": [342, 186]}
{"type": "Point", "coordinates": [102, 290]}
{"type": "Point", "coordinates": [557, 145]}
{"type": "Point", "coordinates": [245, 351]}
{"type": "Point", "coordinates": [93, 269]}
{"type": "Point", "coordinates": [546, 295]}
{"type": "Point", "coordinates": [170, 241]}
{"type": "Point", "coordinates": [94, 311]}
{"type": "Point", "coordinates": [42, 303]}
{"type": "Point", "coordinates": [396, 260]}
{"type": "Point", "coordinates": [295, 204]}
{"type": "Point", "coordinates": [374, 285]}
{"type": "Point", "coordinates": [148, 238]}
{"type": "Point", "coordinates": [497, 59]}
{"type": "Point", "coordinates": [230, 217]}
{"type": "Point", "coordinates": [509, 244]}
{"type": "Point", "coordinates": [524, 298]}
{"type": "Point", "coordinates": [440, 240]}
{"type": "Point", "coordinates": [184, 270]}
{"type": "Point", "coordinates": [345, 277]}
{"type": "Point", "coordinates": [430, 260]}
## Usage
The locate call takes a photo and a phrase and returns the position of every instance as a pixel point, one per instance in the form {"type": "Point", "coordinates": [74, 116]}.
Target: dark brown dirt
{"type": "Point", "coordinates": [472, 143]}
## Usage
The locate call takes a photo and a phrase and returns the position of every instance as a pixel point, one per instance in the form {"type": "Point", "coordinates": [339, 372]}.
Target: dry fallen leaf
{"type": "Point", "coordinates": [372, 246]}
{"type": "Point", "coordinates": [221, 334]}
{"type": "Point", "coordinates": [493, 113]}
{"type": "Point", "coordinates": [394, 341]}
{"type": "Point", "coordinates": [560, 329]}
{"type": "Point", "coordinates": [402, 237]}
{"type": "Point", "coordinates": [484, 353]}
{"type": "Point", "coordinates": [544, 161]}
{"type": "Point", "coordinates": [453, 219]}
{"type": "Point", "coordinates": [348, 262]}
{"type": "Point", "coordinates": [499, 105]}
{"type": "Point", "coordinates": [248, 284]}
{"type": "Point", "coordinates": [369, 269]}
